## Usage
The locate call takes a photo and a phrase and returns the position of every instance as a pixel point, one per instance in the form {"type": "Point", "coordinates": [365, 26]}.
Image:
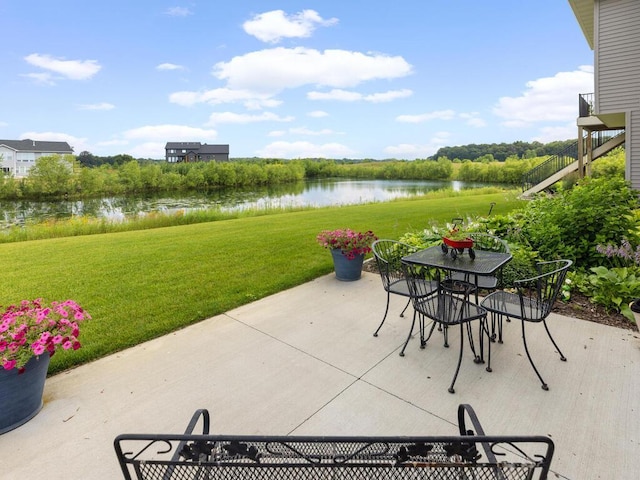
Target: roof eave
{"type": "Point", "coordinates": [583, 11]}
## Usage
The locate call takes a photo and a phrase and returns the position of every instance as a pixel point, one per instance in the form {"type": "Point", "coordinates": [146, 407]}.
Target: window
{"type": "Point", "coordinates": [26, 156]}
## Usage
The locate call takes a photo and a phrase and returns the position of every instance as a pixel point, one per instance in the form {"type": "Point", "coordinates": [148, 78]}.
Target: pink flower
{"type": "Point", "coordinates": [8, 364]}
{"type": "Point", "coordinates": [31, 328]}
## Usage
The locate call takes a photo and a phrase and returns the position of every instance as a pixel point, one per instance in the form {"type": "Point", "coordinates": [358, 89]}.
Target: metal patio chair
{"type": "Point", "coordinates": [449, 305]}
{"type": "Point", "coordinates": [388, 255]}
{"type": "Point", "coordinates": [532, 303]}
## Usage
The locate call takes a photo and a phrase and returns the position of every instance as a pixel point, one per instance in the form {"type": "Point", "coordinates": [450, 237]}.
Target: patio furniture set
{"type": "Point", "coordinates": [444, 290]}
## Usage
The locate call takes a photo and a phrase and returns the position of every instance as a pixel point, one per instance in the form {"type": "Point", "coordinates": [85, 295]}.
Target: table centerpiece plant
{"type": "Point", "coordinates": [348, 249]}
{"type": "Point", "coordinates": [30, 333]}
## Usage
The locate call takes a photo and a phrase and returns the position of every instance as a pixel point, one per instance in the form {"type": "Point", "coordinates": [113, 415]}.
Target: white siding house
{"type": "Point", "coordinates": [18, 156]}
{"type": "Point", "coordinates": [612, 29]}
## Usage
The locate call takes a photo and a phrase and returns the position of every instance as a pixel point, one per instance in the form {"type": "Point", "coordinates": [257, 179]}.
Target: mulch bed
{"type": "Point", "coordinates": [578, 307]}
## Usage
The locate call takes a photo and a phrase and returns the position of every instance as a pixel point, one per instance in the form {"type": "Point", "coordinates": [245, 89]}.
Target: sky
{"type": "Point", "coordinates": [291, 79]}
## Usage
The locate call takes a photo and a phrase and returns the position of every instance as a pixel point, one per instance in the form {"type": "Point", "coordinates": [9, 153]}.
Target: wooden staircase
{"type": "Point", "coordinates": [559, 166]}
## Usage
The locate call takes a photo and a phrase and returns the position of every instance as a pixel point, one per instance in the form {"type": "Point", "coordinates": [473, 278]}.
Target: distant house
{"type": "Point", "coordinates": [176, 152]}
{"type": "Point", "coordinates": [18, 156]}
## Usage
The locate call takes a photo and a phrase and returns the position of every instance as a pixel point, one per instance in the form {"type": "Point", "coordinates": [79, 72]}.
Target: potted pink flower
{"type": "Point", "coordinates": [30, 333]}
{"type": "Point", "coordinates": [348, 249]}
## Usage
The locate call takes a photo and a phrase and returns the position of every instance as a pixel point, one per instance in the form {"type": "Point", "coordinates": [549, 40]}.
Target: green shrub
{"type": "Point", "coordinates": [572, 223]}
{"type": "Point", "coordinates": [521, 266]}
{"type": "Point", "coordinates": [613, 288]}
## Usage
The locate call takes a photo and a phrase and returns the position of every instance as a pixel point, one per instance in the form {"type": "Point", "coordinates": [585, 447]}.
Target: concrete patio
{"type": "Point", "coordinates": [304, 361]}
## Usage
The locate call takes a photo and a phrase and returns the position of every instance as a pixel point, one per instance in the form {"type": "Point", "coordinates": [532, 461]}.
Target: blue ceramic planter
{"type": "Point", "coordinates": [346, 270]}
{"type": "Point", "coordinates": [21, 394]}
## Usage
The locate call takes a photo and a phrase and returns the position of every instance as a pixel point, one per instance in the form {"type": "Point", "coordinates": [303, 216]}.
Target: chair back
{"type": "Point", "coordinates": [488, 242]}
{"type": "Point", "coordinates": [538, 294]}
{"type": "Point", "coordinates": [438, 297]}
{"type": "Point", "coordinates": [423, 281]}
{"type": "Point", "coordinates": [388, 255]}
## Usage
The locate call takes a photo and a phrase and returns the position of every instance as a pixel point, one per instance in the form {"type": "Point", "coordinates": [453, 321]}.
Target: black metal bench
{"type": "Point", "coordinates": [470, 455]}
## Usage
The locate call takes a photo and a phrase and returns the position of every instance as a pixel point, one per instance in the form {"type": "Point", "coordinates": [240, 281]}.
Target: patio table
{"type": "Point", "coordinates": [485, 263]}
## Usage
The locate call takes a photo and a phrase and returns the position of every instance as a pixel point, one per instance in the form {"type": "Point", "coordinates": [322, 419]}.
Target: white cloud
{"type": "Point", "coordinates": [305, 150]}
{"type": "Point", "coordinates": [71, 69]}
{"type": "Point", "coordinates": [256, 78]}
{"type": "Point", "coordinates": [240, 118]}
{"type": "Point", "coordinates": [97, 106]}
{"type": "Point", "coordinates": [425, 117]}
{"type": "Point", "coordinates": [412, 151]}
{"type": "Point", "coordinates": [174, 133]}
{"type": "Point", "coordinates": [560, 132]}
{"type": "Point", "coordinates": [409, 151]}
{"type": "Point", "coordinates": [347, 96]}
{"type": "Point", "coordinates": [548, 99]}
{"type": "Point", "coordinates": [148, 150]}
{"type": "Point", "coordinates": [169, 66]}
{"type": "Point", "coordinates": [303, 131]}
{"type": "Point", "coordinates": [273, 70]}
{"type": "Point", "coordinates": [317, 114]}
{"type": "Point", "coordinates": [112, 143]}
{"type": "Point", "coordinates": [42, 78]}
{"type": "Point", "coordinates": [78, 144]}
{"type": "Point", "coordinates": [251, 100]}
{"type": "Point", "coordinates": [388, 96]}
{"type": "Point", "coordinates": [271, 27]}
{"type": "Point", "coordinates": [473, 120]}
{"type": "Point", "coordinates": [307, 131]}
{"type": "Point", "coordinates": [335, 94]}
{"type": "Point", "coordinates": [178, 12]}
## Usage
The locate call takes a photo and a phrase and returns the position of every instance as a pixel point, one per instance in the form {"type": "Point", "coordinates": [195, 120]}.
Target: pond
{"type": "Point", "coordinates": [310, 193]}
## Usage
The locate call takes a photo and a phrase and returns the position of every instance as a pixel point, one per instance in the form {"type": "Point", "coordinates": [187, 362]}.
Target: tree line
{"type": "Point", "coordinates": [56, 177]}
{"type": "Point", "coordinates": [501, 151]}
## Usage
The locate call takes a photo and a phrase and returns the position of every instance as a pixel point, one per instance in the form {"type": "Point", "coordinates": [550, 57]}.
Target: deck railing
{"type": "Point", "coordinates": [549, 167]}
{"type": "Point", "coordinates": [585, 104]}
{"type": "Point", "coordinates": [565, 158]}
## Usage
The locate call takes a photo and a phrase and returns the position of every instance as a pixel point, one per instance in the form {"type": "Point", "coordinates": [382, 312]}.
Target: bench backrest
{"type": "Point", "coordinates": [471, 454]}
{"type": "Point", "coordinates": [163, 457]}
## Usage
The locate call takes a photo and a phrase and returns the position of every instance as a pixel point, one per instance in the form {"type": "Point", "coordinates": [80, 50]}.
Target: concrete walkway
{"type": "Point", "coordinates": [304, 361]}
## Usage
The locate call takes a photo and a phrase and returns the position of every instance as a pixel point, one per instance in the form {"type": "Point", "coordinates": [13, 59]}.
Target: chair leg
{"type": "Point", "coordinates": [405, 308]}
{"type": "Point", "coordinates": [455, 375]}
{"type": "Point", "coordinates": [526, 349]}
{"type": "Point", "coordinates": [496, 320]}
{"type": "Point", "coordinates": [562, 357]}
{"type": "Point", "coordinates": [485, 324]}
{"type": "Point", "coordinates": [413, 322]}
{"type": "Point", "coordinates": [386, 310]}
{"type": "Point", "coordinates": [445, 329]}
{"type": "Point", "coordinates": [423, 341]}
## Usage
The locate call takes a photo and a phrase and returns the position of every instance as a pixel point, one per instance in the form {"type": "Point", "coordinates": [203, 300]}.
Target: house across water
{"type": "Point", "coordinates": [17, 157]}
{"type": "Point", "coordinates": [176, 152]}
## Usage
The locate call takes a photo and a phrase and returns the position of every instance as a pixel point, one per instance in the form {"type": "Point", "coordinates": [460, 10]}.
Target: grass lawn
{"type": "Point", "coordinates": [138, 285]}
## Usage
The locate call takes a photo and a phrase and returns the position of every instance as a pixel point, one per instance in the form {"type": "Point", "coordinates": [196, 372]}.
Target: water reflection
{"type": "Point", "coordinates": [316, 193]}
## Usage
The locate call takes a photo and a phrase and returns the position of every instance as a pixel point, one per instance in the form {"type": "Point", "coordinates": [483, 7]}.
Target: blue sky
{"type": "Point", "coordinates": [291, 79]}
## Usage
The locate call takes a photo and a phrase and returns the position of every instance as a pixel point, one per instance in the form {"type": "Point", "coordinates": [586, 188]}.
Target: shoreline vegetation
{"type": "Point", "coordinates": [82, 225]}
{"type": "Point", "coordinates": [139, 284]}
{"type": "Point", "coordinates": [64, 177]}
